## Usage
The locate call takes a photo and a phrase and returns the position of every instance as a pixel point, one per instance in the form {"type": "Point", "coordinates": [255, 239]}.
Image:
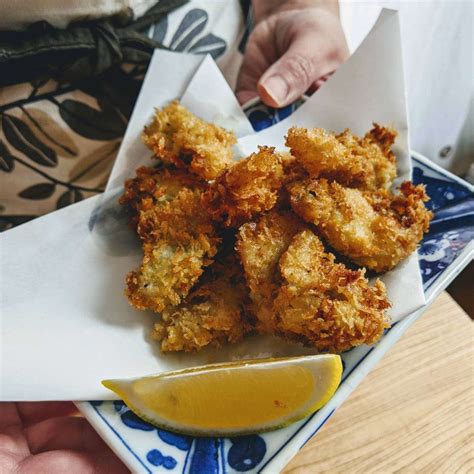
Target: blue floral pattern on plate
{"type": "Point", "coordinates": [452, 227]}
{"type": "Point", "coordinates": [150, 449]}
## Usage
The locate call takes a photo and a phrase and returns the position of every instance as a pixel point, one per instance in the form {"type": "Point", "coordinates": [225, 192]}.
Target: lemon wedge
{"type": "Point", "coordinates": [235, 398]}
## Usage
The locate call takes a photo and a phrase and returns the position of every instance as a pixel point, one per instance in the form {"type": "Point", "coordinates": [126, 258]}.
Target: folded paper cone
{"type": "Point", "coordinates": [65, 322]}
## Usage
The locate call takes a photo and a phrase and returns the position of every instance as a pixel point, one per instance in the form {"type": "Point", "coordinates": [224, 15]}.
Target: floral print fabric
{"type": "Point", "coordinates": [58, 142]}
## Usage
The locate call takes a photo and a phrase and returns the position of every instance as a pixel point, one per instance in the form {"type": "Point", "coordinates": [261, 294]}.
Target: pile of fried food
{"type": "Point", "coordinates": [231, 247]}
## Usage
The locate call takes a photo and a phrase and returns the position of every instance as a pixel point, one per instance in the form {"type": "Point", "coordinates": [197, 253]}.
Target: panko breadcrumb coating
{"type": "Point", "coordinates": [373, 229]}
{"type": "Point", "coordinates": [229, 247]}
{"type": "Point", "coordinates": [365, 163]}
{"type": "Point", "coordinates": [323, 303]}
{"type": "Point", "coordinates": [293, 170]}
{"type": "Point", "coordinates": [178, 238]}
{"type": "Point", "coordinates": [260, 245]}
{"type": "Point", "coordinates": [246, 189]}
{"type": "Point", "coordinates": [177, 136]}
{"type": "Point", "coordinates": [154, 185]}
{"type": "Point", "coordinates": [214, 313]}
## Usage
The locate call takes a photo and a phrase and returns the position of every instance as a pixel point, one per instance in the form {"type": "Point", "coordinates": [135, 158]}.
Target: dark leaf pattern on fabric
{"type": "Point", "coordinates": [248, 21]}
{"type": "Point", "coordinates": [192, 24]}
{"type": "Point", "coordinates": [160, 29]}
{"type": "Point", "coordinates": [115, 86]}
{"type": "Point", "coordinates": [56, 136]}
{"type": "Point", "coordinates": [209, 44]}
{"type": "Point", "coordinates": [109, 109]}
{"type": "Point", "coordinates": [8, 222]}
{"type": "Point", "coordinates": [21, 137]}
{"type": "Point", "coordinates": [186, 37]}
{"type": "Point", "coordinates": [34, 136]}
{"type": "Point", "coordinates": [38, 191]}
{"type": "Point", "coordinates": [69, 197]}
{"type": "Point", "coordinates": [92, 123]}
{"type": "Point", "coordinates": [95, 164]}
{"type": "Point", "coordinates": [40, 81]}
{"type": "Point", "coordinates": [124, 92]}
{"type": "Point", "coordinates": [7, 160]}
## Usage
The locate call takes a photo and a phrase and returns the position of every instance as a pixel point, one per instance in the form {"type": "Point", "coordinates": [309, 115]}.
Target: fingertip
{"type": "Point", "coordinates": [244, 96]}
{"type": "Point", "coordinates": [266, 96]}
{"type": "Point", "coordinates": [274, 93]}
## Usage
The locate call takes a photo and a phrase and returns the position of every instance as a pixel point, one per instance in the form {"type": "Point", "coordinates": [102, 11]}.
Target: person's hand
{"type": "Point", "coordinates": [291, 51]}
{"type": "Point", "coordinates": [46, 438]}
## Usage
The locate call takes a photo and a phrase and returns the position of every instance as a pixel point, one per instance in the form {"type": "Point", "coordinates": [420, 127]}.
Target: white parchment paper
{"type": "Point", "coordinates": [65, 324]}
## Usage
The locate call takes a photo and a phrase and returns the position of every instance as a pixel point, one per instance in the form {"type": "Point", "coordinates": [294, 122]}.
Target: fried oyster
{"type": "Point", "coordinates": [178, 137]}
{"type": "Point", "coordinates": [246, 189]}
{"type": "Point", "coordinates": [231, 247]}
{"type": "Point", "coordinates": [213, 313]}
{"type": "Point", "coordinates": [260, 245]}
{"type": "Point", "coordinates": [154, 185]}
{"type": "Point", "coordinates": [323, 303]}
{"type": "Point", "coordinates": [178, 239]}
{"type": "Point", "coordinates": [373, 229]}
{"type": "Point", "coordinates": [358, 162]}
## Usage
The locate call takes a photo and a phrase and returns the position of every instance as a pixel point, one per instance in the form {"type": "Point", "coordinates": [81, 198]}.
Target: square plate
{"type": "Point", "coordinates": [445, 250]}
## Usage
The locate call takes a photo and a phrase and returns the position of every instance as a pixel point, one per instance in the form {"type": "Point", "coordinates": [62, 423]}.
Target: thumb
{"type": "Point", "coordinates": [293, 74]}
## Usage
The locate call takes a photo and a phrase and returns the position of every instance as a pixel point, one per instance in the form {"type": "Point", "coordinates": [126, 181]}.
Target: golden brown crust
{"type": "Point", "coordinates": [384, 138]}
{"type": "Point", "coordinates": [246, 189]}
{"type": "Point", "coordinates": [365, 163]}
{"type": "Point", "coordinates": [167, 273]}
{"type": "Point", "coordinates": [293, 170]}
{"type": "Point", "coordinates": [260, 245]}
{"type": "Point", "coordinates": [177, 136]}
{"type": "Point", "coordinates": [214, 313]}
{"type": "Point", "coordinates": [153, 185]}
{"type": "Point", "coordinates": [374, 229]}
{"type": "Point", "coordinates": [280, 280]}
{"type": "Point", "coordinates": [178, 238]}
{"type": "Point", "coordinates": [325, 304]}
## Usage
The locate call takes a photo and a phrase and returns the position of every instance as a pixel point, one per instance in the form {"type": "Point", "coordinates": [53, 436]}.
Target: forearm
{"type": "Point", "coordinates": [265, 8]}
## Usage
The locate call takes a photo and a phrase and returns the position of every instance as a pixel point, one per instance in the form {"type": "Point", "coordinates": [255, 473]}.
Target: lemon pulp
{"type": "Point", "coordinates": [280, 391]}
{"type": "Point", "coordinates": [235, 398]}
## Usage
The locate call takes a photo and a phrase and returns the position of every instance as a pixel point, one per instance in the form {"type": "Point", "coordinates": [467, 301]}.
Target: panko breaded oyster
{"type": "Point", "coordinates": [246, 189]}
{"type": "Point", "coordinates": [177, 136]}
{"type": "Point", "coordinates": [260, 245]}
{"type": "Point", "coordinates": [358, 162]}
{"type": "Point", "coordinates": [154, 185]}
{"type": "Point", "coordinates": [323, 303]}
{"type": "Point", "coordinates": [214, 312]}
{"type": "Point", "coordinates": [293, 170]}
{"type": "Point", "coordinates": [229, 247]}
{"type": "Point", "coordinates": [373, 229]}
{"type": "Point", "coordinates": [179, 240]}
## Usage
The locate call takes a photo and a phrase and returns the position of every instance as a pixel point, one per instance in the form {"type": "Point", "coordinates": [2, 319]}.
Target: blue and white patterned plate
{"type": "Point", "coordinates": [444, 252]}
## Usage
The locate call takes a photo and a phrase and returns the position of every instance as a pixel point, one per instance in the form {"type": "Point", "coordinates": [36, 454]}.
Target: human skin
{"type": "Point", "coordinates": [294, 46]}
{"type": "Point", "coordinates": [50, 437]}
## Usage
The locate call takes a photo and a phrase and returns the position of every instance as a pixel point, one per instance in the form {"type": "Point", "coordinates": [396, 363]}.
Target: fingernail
{"type": "Point", "coordinates": [276, 88]}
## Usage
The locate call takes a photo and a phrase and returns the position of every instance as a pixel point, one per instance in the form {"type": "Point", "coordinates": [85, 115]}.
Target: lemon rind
{"type": "Point", "coordinates": [206, 432]}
